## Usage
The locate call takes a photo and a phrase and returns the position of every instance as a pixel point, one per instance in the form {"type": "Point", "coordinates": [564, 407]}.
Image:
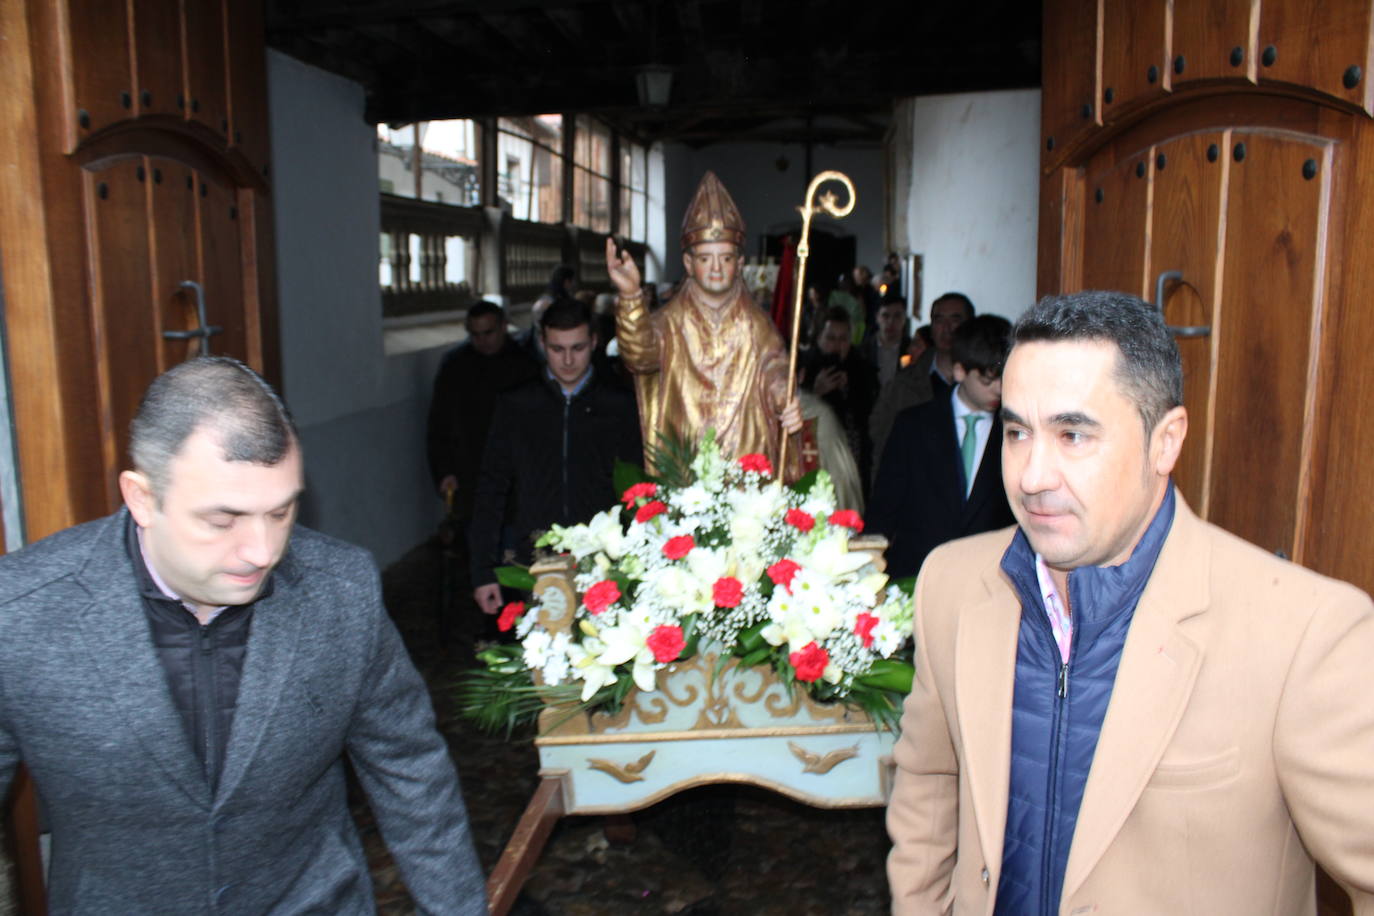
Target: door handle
{"type": "Point", "coordinates": [1194, 330]}
{"type": "Point", "coordinates": [203, 331]}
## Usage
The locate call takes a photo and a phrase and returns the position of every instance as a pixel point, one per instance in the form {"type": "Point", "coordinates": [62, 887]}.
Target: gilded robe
{"type": "Point", "coordinates": [697, 368]}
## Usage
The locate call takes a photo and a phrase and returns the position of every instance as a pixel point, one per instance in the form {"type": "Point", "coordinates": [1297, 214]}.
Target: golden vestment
{"type": "Point", "coordinates": [696, 368]}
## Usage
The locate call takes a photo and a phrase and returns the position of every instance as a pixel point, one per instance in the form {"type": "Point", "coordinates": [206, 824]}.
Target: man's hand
{"type": "Point", "coordinates": [792, 416]}
{"type": "Point", "coordinates": [830, 379]}
{"type": "Point", "coordinates": [488, 598]}
{"type": "Point", "coordinates": [623, 270]}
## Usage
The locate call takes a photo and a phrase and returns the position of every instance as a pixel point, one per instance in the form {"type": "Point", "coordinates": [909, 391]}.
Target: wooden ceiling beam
{"type": "Point", "coordinates": [320, 13]}
{"type": "Point", "coordinates": [631, 17]}
{"type": "Point", "coordinates": [569, 23]}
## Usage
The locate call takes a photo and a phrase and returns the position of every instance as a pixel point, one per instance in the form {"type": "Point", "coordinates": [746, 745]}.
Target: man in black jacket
{"type": "Point", "coordinates": [471, 376]}
{"type": "Point", "coordinates": [552, 448]}
{"type": "Point", "coordinates": [839, 375]}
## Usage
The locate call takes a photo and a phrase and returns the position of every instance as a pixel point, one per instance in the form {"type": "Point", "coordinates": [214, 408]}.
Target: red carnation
{"type": "Point", "coordinates": [509, 614]}
{"type": "Point", "coordinates": [649, 510]}
{"type": "Point", "coordinates": [810, 662]}
{"type": "Point", "coordinates": [666, 642]}
{"type": "Point", "coordinates": [727, 592]}
{"type": "Point", "coordinates": [848, 518]}
{"type": "Point", "coordinates": [601, 596]}
{"type": "Point", "coordinates": [636, 491]}
{"type": "Point", "coordinates": [800, 520]}
{"type": "Point", "coordinates": [782, 573]}
{"type": "Point", "coordinates": [757, 463]}
{"type": "Point", "coordinates": [678, 547]}
{"type": "Point", "coordinates": [863, 628]}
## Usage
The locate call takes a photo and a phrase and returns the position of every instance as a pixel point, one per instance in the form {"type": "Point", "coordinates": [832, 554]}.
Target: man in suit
{"type": "Point", "coordinates": [928, 377]}
{"type": "Point", "coordinates": [1119, 708]}
{"type": "Point", "coordinates": [184, 678]}
{"type": "Point", "coordinates": [941, 475]}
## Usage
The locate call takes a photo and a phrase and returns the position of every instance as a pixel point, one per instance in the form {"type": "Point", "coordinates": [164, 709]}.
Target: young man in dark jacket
{"type": "Point", "coordinates": [941, 473]}
{"type": "Point", "coordinates": [552, 449]}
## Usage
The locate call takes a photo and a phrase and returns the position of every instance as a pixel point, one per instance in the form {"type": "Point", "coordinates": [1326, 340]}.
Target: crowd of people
{"type": "Point", "coordinates": [1111, 682]}
{"type": "Point", "coordinates": [865, 380]}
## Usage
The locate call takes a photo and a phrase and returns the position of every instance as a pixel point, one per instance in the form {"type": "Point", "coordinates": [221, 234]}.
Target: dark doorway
{"type": "Point", "coordinates": [831, 255]}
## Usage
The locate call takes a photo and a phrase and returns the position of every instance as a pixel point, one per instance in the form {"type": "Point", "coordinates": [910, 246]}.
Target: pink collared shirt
{"type": "Point", "coordinates": [1061, 624]}
{"type": "Point", "coordinates": [210, 615]}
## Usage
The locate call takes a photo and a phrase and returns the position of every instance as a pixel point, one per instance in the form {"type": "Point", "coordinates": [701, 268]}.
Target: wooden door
{"type": "Point", "coordinates": [136, 147]}
{"type": "Point", "coordinates": [1189, 179]}
{"type": "Point", "coordinates": [1227, 229]}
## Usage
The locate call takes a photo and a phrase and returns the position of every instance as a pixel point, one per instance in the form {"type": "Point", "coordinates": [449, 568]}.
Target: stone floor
{"type": "Point", "coordinates": [713, 850]}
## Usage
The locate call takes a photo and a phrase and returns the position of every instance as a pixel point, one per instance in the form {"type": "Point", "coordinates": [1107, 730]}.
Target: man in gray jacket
{"type": "Point", "coordinates": [184, 678]}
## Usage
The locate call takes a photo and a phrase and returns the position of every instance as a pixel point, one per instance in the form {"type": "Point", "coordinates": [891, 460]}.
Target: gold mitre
{"type": "Point", "coordinates": [712, 216]}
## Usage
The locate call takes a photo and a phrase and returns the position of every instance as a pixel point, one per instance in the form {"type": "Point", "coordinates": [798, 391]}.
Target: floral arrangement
{"type": "Point", "coordinates": [714, 549]}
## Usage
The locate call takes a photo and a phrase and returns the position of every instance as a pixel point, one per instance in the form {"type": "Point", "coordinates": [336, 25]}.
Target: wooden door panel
{"type": "Point", "coordinates": [1185, 212]}
{"type": "Point", "coordinates": [1135, 54]}
{"type": "Point", "coordinates": [97, 48]}
{"type": "Point", "coordinates": [1114, 222]}
{"type": "Point", "coordinates": [175, 257]}
{"type": "Point", "coordinates": [203, 54]}
{"type": "Point", "coordinates": [222, 266]}
{"type": "Point", "coordinates": [157, 30]}
{"type": "Point", "coordinates": [1316, 45]}
{"type": "Point", "coordinates": [1214, 39]}
{"type": "Point", "coordinates": [125, 330]}
{"type": "Point", "coordinates": [248, 85]}
{"type": "Point", "coordinates": [1070, 103]}
{"type": "Point", "coordinates": [1273, 251]}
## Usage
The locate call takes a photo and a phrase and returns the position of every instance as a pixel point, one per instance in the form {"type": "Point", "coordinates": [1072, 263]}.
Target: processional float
{"type": "Point", "coordinates": [718, 628]}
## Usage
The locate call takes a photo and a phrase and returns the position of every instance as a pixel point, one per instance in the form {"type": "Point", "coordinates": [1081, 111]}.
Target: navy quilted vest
{"type": "Point", "coordinates": [1057, 711]}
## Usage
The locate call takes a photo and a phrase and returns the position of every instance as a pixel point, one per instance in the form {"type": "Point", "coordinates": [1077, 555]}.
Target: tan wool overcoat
{"type": "Point", "coordinates": [1238, 744]}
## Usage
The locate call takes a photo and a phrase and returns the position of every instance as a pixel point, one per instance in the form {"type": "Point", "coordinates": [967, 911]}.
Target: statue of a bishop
{"type": "Point", "coordinates": [710, 358]}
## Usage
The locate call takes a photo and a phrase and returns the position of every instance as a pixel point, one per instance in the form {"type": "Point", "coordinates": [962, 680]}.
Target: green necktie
{"type": "Point", "coordinates": [970, 447]}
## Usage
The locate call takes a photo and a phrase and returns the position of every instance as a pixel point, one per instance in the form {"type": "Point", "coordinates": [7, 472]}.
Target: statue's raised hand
{"type": "Point", "coordinates": [622, 269]}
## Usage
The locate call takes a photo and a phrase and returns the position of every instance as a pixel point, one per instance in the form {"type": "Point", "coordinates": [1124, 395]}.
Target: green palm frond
{"type": "Point", "coordinates": [672, 458]}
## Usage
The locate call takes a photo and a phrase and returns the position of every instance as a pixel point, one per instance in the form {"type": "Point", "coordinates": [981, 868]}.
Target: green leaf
{"type": "Point", "coordinates": [750, 638]}
{"type": "Point", "coordinates": [888, 674]}
{"type": "Point", "coordinates": [807, 481]}
{"type": "Point", "coordinates": [627, 475]}
{"type": "Point", "coordinates": [882, 706]}
{"type": "Point", "coordinates": [756, 657]}
{"type": "Point", "coordinates": [907, 585]}
{"type": "Point", "coordinates": [516, 577]}
{"type": "Point", "coordinates": [689, 636]}
{"type": "Point", "coordinates": [672, 458]}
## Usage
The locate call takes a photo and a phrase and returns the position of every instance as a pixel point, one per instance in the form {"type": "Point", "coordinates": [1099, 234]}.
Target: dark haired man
{"type": "Point", "coordinates": [1119, 708]}
{"type": "Point", "coordinates": [838, 374]}
{"type": "Point", "coordinates": [551, 457]}
{"type": "Point", "coordinates": [469, 379]}
{"type": "Point", "coordinates": [929, 377]}
{"type": "Point", "coordinates": [184, 689]}
{"type": "Point", "coordinates": [884, 346]}
{"type": "Point", "coordinates": [941, 474]}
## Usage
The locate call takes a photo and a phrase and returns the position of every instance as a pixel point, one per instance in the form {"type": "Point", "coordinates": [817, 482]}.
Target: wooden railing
{"type": "Point", "coordinates": [427, 289]}
{"type": "Point", "coordinates": [528, 254]}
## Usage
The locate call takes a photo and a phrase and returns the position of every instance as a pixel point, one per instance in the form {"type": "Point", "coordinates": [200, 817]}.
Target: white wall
{"type": "Point", "coordinates": [361, 414]}
{"type": "Point", "coordinates": [769, 198]}
{"type": "Point", "coordinates": [974, 196]}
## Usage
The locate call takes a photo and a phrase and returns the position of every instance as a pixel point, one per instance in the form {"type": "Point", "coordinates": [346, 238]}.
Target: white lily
{"type": "Point", "coordinates": [830, 557]}
{"type": "Point", "coordinates": [621, 643]}
{"type": "Point", "coordinates": [585, 665]}
{"type": "Point", "coordinates": [604, 529]}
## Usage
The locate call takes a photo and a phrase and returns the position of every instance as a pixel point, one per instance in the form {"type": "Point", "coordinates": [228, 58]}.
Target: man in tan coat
{"type": "Point", "coordinates": [1119, 708]}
